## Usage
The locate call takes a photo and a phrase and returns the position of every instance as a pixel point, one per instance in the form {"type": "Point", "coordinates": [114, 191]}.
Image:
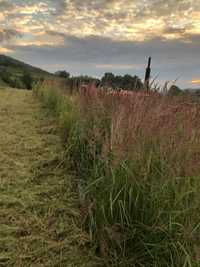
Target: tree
{"type": "Point", "coordinates": [108, 79]}
{"type": "Point", "coordinates": [27, 80]}
{"type": "Point", "coordinates": [174, 91]}
{"type": "Point", "coordinates": [62, 74]}
{"type": "Point", "coordinates": [5, 76]}
{"type": "Point", "coordinates": [126, 82]}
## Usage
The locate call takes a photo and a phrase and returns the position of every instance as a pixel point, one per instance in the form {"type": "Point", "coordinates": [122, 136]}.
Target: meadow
{"type": "Point", "coordinates": [135, 161]}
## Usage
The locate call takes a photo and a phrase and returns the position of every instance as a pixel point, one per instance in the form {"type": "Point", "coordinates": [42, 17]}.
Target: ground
{"type": "Point", "coordinates": [38, 211]}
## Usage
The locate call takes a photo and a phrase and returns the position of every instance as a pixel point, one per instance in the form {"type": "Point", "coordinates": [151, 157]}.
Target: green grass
{"type": "Point", "coordinates": [39, 215]}
{"type": "Point", "coordinates": [141, 209]}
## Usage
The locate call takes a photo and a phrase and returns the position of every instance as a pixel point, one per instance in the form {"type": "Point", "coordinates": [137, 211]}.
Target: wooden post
{"type": "Point", "coordinates": [148, 75]}
{"type": "Point", "coordinates": [71, 85]}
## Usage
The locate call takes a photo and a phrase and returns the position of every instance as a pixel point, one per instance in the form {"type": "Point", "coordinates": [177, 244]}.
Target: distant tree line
{"type": "Point", "coordinates": [126, 82]}
{"type": "Point", "coordinates": [110, 80]}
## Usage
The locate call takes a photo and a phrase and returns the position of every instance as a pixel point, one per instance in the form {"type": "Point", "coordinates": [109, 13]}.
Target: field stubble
{"type": "Point", "coordinates": [39, 217]}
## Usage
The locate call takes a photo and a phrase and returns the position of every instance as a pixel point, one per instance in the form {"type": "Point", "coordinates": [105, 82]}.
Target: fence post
{"type": "Point", "coordinates": [148, 75]}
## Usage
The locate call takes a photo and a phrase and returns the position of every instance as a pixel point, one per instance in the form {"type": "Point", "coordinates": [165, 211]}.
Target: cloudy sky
{"type": "Point", "coordinates": [97, 36]}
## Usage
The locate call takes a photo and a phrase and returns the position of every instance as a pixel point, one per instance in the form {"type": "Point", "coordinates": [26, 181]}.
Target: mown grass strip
{"type": "Point", "coordinates": [39, 215]}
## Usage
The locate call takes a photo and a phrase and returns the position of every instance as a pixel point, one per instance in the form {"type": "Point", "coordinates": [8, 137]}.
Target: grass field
{"type": "Point", "coordinates": [39, 217]}
{"type": "Point", "coordinates": [91, 172]}
{"type": "Point", "coordinates": [137, 161]}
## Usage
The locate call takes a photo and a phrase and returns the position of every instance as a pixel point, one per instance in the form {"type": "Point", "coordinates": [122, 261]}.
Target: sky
{"type": "Point", "coordinates": [97, 36]}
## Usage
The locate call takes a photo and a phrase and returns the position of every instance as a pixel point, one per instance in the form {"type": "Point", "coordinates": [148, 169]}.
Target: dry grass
{"type": "Point", "coordinates": [137, 159]}
{"type": "Point", "coordinates": [127, 123]}
{"type": "Point", "coordinates": [38, 211]}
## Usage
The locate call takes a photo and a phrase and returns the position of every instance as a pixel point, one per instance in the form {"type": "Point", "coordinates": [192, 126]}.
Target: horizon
{"type": "Point", "coordinates": [94, 37]}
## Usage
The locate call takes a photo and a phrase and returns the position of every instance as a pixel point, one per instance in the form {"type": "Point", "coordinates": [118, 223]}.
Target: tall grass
{"type": "Point", "coordinates": [137, 160]}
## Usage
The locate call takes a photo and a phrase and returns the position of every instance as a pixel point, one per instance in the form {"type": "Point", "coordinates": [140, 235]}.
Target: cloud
{"type": "Point", "coordinates": [118, 66]}
{"type": "Point", "coordinates": [60, 7]}
{"type": "Point", "coordinates": [5, 5]}
{"type": "Point", "coordinates": [96, 35]}
{"type": "Point", "coordinates": [4, 50]}
{"type": "Point", "coordinates": [128, 20]}
{"type": "Point", "coordinates": [8, 34]}
{"type": "Point", "coordinates": [44, 39]}
{"type": "Point", "coordinates": [136, 20]}
{"type": "Point", "coordinates": [196, 82]}
{"type": "Point", "coordinates": [95, 55]}
{"type": "Point", "coordinates": [33, 9]}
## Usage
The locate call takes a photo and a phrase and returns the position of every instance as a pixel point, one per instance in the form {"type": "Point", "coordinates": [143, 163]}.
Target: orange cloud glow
{"type": "Point", "coordinates": [4, 50]}
{"type": "Point", "coordinates": [196, 81]}
{"type": "Point", "coordinates": [132, 20]}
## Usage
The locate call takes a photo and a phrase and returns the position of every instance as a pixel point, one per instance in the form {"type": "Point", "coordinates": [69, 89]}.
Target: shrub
{"type": "Point", "coordinates": [62, 74]}
{"type": "Point", "coordinates": [27, 80]}
{"type": "Point", "coordinates": [175, 91]}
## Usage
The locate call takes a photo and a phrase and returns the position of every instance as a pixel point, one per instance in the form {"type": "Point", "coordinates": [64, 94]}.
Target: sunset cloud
{"type": "Point", "coordinates": [4, 50]}
{"type": "Point", "coordinates": [8, 34]}
{"type": "Point", "coordinates": [90, 29]}
{"type": "Point", "coordinates": [135, 20]}
{"type": "Point", "coordinates": [196, 81]}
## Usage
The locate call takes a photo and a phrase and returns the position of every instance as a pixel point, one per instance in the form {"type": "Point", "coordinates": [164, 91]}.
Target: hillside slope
{"type": "Point", "coordinates": [38, 214]}
{"type": "Point", "coordinates": [12, 72]}
{"type": "Point", "coordinates": [18, 67]}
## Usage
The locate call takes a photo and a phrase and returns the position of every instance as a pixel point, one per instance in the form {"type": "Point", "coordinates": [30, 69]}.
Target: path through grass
{"type": "Point", "coordinates": [38, 214]}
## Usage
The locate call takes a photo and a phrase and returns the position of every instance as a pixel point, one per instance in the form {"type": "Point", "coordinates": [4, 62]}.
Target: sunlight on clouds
{"type": "Point", "coordinates": [33, 9]}
{"type": "Point", "coordinates": [42, 39]}
{"type": "Point", "coordinates": [132, 20]}
{"type": "Point", "coordinates": [136, 30]}
{"type": "Point", "coordinates": [2, 17]}
{"type": "Point", "coordinates": [195, 81]}
{"type": "Point", "coordinates": [4, 50]}
{"type": "Point", "coordinates": [194, 23]}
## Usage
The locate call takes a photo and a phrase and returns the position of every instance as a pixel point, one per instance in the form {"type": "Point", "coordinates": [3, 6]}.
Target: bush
{"type": "Point", "coordinates": [63, 74]}
{"type": "Point", "coordinates": [175, 91]}
{"type": "Point", "coordinates": [27, 80]}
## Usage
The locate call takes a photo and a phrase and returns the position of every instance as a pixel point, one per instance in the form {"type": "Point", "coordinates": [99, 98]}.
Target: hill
{"type": "Point", "coordinates": [12, 72]}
